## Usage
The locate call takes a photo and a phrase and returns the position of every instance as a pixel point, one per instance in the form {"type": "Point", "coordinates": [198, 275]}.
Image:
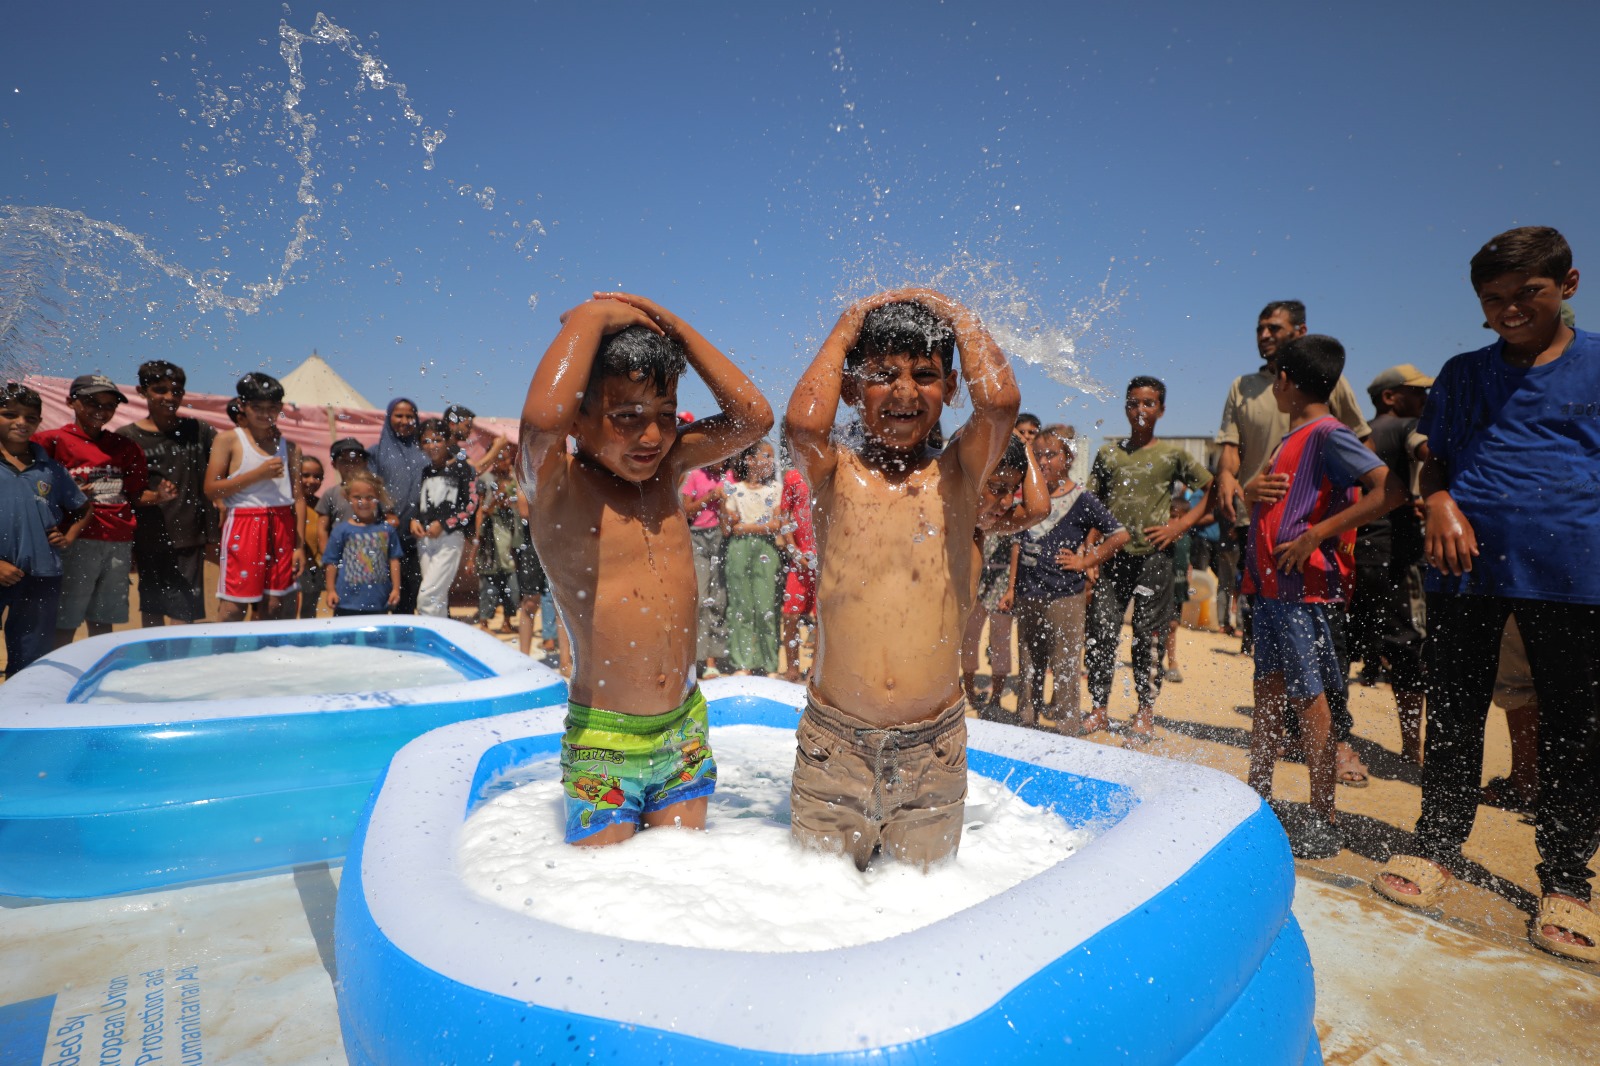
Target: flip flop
{"type": "Point", "coordinates": [1430, 878]}
{"type": "Point", "coordinates": [1574, 917]}
{"type": "Point", "coordinates": [1350, 770]}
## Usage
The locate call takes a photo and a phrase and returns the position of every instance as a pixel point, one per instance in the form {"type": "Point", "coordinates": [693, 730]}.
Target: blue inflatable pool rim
{"type": "Point", "coordinates": [1199, 965]}
{"type": "Point", "coordinates": [402, 637]}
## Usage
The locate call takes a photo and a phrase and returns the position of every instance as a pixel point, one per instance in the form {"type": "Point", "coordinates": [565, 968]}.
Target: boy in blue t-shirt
{"type": "Point", "coordinates": [37, 498]}
{"type": "Point", "coordinates": [1512, 488]}
{"type": "Point", "coordinates": [361, 563]}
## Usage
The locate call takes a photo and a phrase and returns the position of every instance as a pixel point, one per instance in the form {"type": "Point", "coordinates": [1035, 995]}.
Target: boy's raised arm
{"type": "Point", "coordinates": [563, 374]}
{"type": "Point", "coordinates": [987, 372]}
{"type": "Point", "coordinates": [808, 422]}
{"type": "Point", "coordinates": [744, 416]}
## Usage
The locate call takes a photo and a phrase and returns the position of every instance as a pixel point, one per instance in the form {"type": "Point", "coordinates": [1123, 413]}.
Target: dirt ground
{"type": "Point", "coordinates": [1205, 719]}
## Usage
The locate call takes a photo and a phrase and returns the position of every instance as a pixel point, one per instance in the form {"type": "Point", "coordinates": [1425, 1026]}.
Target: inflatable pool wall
{"type": "Point", "coordinates": [1167, 939]}
{"type": "Point", "coordinates": [97, 799]}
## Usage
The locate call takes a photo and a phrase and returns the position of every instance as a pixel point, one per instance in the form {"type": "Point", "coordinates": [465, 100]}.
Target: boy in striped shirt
{"type": "Point", "coordinates": [1298, 563]}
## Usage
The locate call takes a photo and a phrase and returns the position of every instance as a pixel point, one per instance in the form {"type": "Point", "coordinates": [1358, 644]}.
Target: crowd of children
{"type": "Point", "coordinates": [880, 557]}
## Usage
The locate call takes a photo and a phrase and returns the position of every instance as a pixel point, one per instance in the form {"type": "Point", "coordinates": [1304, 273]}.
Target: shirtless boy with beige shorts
{"type": "Point", "coordinates": [610, 531]}
{"type": "Point", "coordinates": [882, 756]}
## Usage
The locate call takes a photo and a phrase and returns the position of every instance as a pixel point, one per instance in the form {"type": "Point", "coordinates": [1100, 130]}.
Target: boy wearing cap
{"type": "Point", "coordinates": [111, 471]}
{"type": "Point", "coordinates": [172, 536]}
{"type": "Point", "coordinates": [349, 457]}
{"type": "Point", "coordinates": [253, 470]}
{"type": "Point", "coordinates": [1388, 584]}
{"type": "Point", "coordinates": [37, 499]}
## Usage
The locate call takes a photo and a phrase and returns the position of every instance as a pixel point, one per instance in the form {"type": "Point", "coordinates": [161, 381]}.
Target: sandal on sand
{"type": "Point", "coordinates": [1349, 767]}
{"type": "Point", "coordinates": [1430, 878]}
{"type": "Point", "coordinates": [1575, 918]}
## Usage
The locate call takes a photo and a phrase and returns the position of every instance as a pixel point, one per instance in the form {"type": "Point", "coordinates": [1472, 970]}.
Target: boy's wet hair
{"type": "Point", "coordinates": [1312, 364]}
{"type": "Point", "coordinates": [161, 370]}
{"type": "Point", "coordinates": [1028, 419]}
{"type": "Point", "coordinates": [1537, 251]}
{"type": "Point", "coordinates": [1145, 381]}
{"type": "Point", "coordinates": [638, 354]}
{"type": "Point", "coordinates": [18, 393]}
{"type": "Point", "coordinates": [1295, 308]}
{"type": "Point", "coordinates": [1014, 460]}
{"type": "Point", "coordinates": [367, 476]}
{"type": "Point", "coordinates": [905, 328]}
{"type": "Point", "coordinates": [437, 426]}
{"type": "Point", "coordinates": [256, 387]}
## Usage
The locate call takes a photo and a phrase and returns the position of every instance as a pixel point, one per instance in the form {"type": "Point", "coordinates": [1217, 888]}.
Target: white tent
{"type": "Point", "coordinates": [316, 384]}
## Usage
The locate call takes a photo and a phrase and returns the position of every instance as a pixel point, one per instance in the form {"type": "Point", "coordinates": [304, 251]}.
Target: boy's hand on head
{"type": "Point", "coordinates": [1451, 541]}
{"type": "Point", "coordinates": [611, 316]}
{"type": "Point", "coordinates": [10, 573]}
{"type": "Point", "coordinates": [660, 319]}
{"type": "Point", "coordinates": [1293, 555]}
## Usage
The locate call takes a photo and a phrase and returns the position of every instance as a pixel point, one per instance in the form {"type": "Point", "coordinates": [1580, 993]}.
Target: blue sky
{"type": "Point", "coordinates": [1138, 179]}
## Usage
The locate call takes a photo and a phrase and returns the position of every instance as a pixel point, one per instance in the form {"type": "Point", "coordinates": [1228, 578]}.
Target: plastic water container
{"type": "Point", "coordinates": [1201, 610]}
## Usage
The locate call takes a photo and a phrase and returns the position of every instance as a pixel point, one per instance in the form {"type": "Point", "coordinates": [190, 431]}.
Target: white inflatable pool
{"type": "Point", "coordinates": [157, 788]}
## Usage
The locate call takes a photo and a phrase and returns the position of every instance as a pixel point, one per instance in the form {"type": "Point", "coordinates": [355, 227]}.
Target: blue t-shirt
{"type": "Point", "coordinates": [362, 554]}
{"type": "Point", "coordinates": [1522, 451]}
{"type": "Point", "coordinates": [1039, 576]}
{"type": "Point", "coordinates": [33, 501]}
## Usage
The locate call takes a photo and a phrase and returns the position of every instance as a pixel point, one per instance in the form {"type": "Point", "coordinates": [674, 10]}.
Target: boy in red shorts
{"type": "Point", "coordinates": [250, 470]}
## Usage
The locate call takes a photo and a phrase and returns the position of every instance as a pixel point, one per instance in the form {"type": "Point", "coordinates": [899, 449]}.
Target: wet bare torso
{"type": "Point", "coordinates": [621, 567]}
{"type": "Point", "coordinates": [895, 587]}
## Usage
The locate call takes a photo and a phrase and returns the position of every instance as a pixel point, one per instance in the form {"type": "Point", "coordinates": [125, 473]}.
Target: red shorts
{"type": "Point", "coordinates": [257, 554]}
{"type": "Point", "coordinates": [800, 592]}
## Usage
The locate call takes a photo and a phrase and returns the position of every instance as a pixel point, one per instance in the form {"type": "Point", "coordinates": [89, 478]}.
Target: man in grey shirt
{"type": "Point", "coordinates": [1251, 428]}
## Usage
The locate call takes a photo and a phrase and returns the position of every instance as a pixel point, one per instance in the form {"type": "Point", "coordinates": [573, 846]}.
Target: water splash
{"type": "Point", "coordinates": [1055, 335]}
{"type": "Point", "coordinates": [55, 261]}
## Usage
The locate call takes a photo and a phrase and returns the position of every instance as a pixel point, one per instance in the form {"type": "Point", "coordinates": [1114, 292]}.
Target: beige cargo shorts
{"type": "Point", "coordinates": [859, 788]}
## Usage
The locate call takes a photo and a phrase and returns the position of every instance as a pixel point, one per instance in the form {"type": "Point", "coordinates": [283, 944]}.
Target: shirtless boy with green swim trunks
{"type": "Point", "coordinates": [610, 531]}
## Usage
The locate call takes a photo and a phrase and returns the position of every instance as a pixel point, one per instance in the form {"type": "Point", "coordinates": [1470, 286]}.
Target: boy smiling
{"type": "Point", "coordinates": [882, 758]}
{"type": "Point", "coordinates": [1512, 488]}
{"type": "Point", "coordinates": [611, 533]}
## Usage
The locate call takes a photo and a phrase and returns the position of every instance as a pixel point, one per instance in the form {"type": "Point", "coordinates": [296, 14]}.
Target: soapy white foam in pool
{"type": "Point", "coordinates": [743, 885]}
{"type": "Point", "coordinates": [281, 671]}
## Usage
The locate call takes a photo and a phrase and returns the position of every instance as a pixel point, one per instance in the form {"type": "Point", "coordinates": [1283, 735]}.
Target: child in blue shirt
{"type": "Point", "coordinates": [361, 563]}
{"type": "Point", "coordinates": [37, 498]}
{"type": "Point", "coordinates": [1512, 489]}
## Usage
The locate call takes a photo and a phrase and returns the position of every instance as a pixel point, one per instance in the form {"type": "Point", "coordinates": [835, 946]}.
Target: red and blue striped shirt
{"type": "Point", "coordinates": [1325, 463]}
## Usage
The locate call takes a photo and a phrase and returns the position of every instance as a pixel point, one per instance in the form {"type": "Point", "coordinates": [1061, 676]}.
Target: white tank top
{"type": "Point", "coordinates": [278, 492]}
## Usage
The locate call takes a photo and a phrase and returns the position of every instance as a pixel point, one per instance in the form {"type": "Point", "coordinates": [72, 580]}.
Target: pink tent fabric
{"type": "Point", "coordinates": [313, 429]}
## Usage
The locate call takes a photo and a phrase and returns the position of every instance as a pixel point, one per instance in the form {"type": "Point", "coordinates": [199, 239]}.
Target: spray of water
{"type": "Point", "coordinates": [55, 261]}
